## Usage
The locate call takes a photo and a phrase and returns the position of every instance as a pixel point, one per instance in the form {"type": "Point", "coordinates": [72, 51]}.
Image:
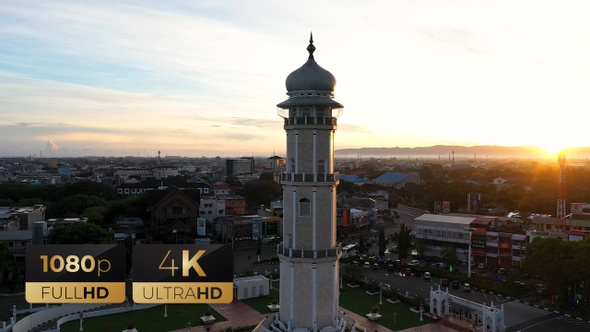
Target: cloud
{"type": "Point", "coordinates": [26, 124]}
{"type": "Point", "coordinates": [51, 146]}
{"type": "Point", "coordinates": [197, 76]}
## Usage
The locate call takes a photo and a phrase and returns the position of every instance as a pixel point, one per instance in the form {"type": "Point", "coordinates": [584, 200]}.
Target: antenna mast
{"type": "Point", "coordinates": [561, 191]}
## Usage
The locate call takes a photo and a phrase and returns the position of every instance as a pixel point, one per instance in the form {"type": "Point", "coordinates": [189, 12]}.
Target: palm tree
{"type": "Point", "coordinates": [404, 238]}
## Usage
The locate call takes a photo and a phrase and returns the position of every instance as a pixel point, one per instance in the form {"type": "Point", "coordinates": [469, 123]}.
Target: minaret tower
{"type": "Point", "coordinates": [309, 253]}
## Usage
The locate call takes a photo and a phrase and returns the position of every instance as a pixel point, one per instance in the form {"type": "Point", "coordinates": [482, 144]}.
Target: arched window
{"type": "Point", "coordinates": [292, 165]}
{"type": "Point", "coordinates": [321, 112]}
{"type": "Point", "coordinates": [306, 112]}
{"type": "Point", "coordinates": [304, 207]}
{"type": "Point", "coordinates": [321, 166]}
{"type": "Point", "coordinates": [245, 290]}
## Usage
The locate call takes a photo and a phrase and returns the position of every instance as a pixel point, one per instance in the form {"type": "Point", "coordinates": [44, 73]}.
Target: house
{"type": "Point", "coordinates": [499, 181]}
{"type": "Point", "coordinates": [174, 211]}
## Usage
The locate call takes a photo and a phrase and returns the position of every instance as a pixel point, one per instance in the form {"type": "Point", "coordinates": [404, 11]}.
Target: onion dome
{"type": "Point", "coordinates": [310, 84]}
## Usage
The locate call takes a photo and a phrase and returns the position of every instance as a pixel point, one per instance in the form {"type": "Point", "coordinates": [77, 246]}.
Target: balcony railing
{"type": "Point", "coordinates": [297, 253]}
{"type": "Point", "coordinates": [310, 120]}
{"type": "Point", "coordinates": [302, 177]}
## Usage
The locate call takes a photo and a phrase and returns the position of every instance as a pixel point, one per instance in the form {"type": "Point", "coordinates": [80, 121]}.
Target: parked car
{"type": "Point", "coordinates": [414, 262]}
{"type": "Point", "coordinates": [427, 275]}
{"type": "Point", "coordinates": [444, 282]}
{"type": "Point", "coordinates": [466, 287]}
{"type": "Point", "coordinates": [408, 272]}
{"type": "Point", "coordinates": [481, 266]}
{"type": "Point", "coordinates": [455, 284]}
{"type": "Point", "coordinates": [367, 265]}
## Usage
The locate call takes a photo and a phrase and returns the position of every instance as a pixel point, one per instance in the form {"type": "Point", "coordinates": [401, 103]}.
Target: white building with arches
{"type": "Point", "coordinates": [249, 287]}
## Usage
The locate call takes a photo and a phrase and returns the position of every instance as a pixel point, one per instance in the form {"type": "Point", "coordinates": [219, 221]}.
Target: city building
{"type": "Point", "coordinates": [124, 227]}
{"type": "Point", "coordinates": [20, 218]}
{"type": "Point", "coordinates": [494, 241]}
{"type": "Point", "coordinates": [309, 254]}
{"type": "Point", "coordinates": [241, 166]}
{"type": "Point", "coordinates": [212, 208]}
{"type": "Point", "coordinates": [138, 188]}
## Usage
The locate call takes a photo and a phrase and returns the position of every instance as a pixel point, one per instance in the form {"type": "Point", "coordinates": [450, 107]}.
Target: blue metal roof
{"type": "Point", "coordinates": [391, 177]}
{"type": "Point", "coordinates": [354, 178]}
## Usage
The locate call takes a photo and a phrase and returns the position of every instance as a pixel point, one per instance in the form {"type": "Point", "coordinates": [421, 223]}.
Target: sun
{"type": "Point", "coordinates": [551, 147]}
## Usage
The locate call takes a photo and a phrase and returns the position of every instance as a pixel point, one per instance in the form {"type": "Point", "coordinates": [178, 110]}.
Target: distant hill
{"type": "Point", "coordinates": [461, 152]}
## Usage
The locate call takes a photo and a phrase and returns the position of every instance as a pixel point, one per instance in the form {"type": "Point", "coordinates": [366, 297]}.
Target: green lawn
{"type": "Point", "coordinates": [260, 303]}
{"type": "Point", "coordinates": [395, 316]}
{"type": "Point", "coordinates": [147, 320]}
{"type": "Point", "coordinates": [357, 301]}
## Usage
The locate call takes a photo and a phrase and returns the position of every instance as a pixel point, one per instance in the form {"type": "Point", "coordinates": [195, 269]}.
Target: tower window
{"type": "Point", "coordinates": [304, 207]}
{"type": "Point", "coordinates": [306, 112]}
{"type": "Point", "coordinates": [321, 167]}
{"type": "Point", "coordinates": [292, 165]}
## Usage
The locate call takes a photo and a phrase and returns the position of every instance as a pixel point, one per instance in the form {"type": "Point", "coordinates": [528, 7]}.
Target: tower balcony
{"type": "Point", "coordinates": [311, 121]}
{"type": "Point", "coordinates": [303, 177]}
{"type": "Point", "coordinates": [297, 253]}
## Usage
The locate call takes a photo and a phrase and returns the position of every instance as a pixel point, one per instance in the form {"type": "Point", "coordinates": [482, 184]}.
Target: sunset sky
{"type": "Point", "coordinates": [202, 78]}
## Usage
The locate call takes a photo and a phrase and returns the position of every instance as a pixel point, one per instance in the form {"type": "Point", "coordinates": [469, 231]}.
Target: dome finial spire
{"type": "Point", "coordinates": [310, 47]}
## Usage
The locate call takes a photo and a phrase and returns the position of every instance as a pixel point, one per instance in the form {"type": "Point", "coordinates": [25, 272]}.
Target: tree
{"type": "Point", "coordinates": [31, 201]}
{"type": "Point", "coordinates": [362, 248]}
{"type": "Point", "coordinates": [130, 206]}
{"type": "Point", "coordinates": [449, 254]}
{"type": "Point", "coordinates": [75, 205]}
{"type": "Point", "coordinates": [353, 272]}
{"type": "Point", "coordinates": [346, 187]}
{"type": "Point", "coordinates": [261, 192]}
{"type": "Point", "coordinates": [550, 258]}
{"type": "Point", "coordinates": [7, 202]}
{"type": "Point", "coordinates": [381, 241]}
{"type": "Point", "coordinates": [80, 233]}
{"type": "Point", "coordinates": [266, 176]}
{"type": "Point", "coordinates": [95, 214]}
{"type": "Point", "coordinates": [404, 238]}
